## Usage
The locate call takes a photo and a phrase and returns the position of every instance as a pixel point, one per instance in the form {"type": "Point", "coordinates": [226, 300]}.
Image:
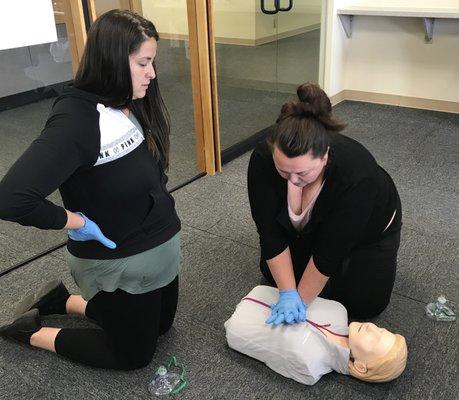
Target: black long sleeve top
{"type": "Point", "coordinates": [102, 167]}
{"type": "Point", "coordinates": [353, 209]}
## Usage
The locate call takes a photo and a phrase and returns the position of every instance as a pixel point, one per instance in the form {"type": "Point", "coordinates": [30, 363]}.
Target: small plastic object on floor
{"type": "Point", "coordinates": [166, 381]}
{"type": "Point", "coordinates": [441, 310]}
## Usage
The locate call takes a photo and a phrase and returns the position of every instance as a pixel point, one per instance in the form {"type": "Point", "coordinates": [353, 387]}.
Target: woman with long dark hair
{"type": "Point", "coordinates": [327, 214]}
{"type": "Point", "coordinates": [105, 146]}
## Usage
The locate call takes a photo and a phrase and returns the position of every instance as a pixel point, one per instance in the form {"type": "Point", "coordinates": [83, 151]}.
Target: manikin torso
{"type": "Point", "coordinates": [303, 352]}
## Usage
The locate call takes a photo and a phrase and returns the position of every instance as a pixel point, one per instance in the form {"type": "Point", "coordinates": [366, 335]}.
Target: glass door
{"type": "Point", "coordinates": [298, 38]}
{"type": "Point", "coordinates": [174, 76]}
{"type": "Point", "coordinates": [32, 76]}
{"type": "Point", "coordinates": [264, 50]}
{"type": "Point", "coordinates": [246, 56]}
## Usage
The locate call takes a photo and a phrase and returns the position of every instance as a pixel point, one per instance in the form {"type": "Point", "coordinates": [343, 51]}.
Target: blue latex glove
{"type": "Point", "coordinates": [90, 231]}
{"type": "Point", "coordinates": [289, 309]}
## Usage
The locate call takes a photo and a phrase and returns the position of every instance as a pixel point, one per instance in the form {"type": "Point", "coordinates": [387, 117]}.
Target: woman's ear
{"type": "Point", "coordinates": [325, 157]}
{"type": "Point", "coordinates": [360, 366]}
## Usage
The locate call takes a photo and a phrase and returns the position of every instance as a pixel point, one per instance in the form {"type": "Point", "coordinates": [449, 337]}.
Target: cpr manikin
{"type": "Point", "coordinates": [306, 351]}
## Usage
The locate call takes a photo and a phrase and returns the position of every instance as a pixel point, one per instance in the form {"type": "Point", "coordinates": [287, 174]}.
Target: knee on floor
{"type": "Point", "coordinates": [136, 358]}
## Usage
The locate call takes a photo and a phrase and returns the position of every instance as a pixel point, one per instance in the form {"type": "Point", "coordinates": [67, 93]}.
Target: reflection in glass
{"type": "Point", "coordinates": [261, 59]}
{"type": "Point", "coordinates": [173, 69]}
{"type": "Point", "coordinates": [299, 44]}
{"type": "Point", "coordinates": [32, 75]}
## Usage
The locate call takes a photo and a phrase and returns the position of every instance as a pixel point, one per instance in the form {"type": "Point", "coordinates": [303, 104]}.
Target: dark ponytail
{"type": "Point", "coordinates": [304, 125]}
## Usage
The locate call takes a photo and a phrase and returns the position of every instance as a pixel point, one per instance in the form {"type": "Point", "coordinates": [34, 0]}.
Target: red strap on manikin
{"type": "Point", "coordinates": [319, 327]}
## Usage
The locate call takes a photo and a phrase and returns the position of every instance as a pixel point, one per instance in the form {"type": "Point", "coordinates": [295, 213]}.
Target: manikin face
{"type": "Point", "coordinates": [300, 171]}
{"type": "Point", "coordinates": [142, 70]}
{"type": "Point", "coordinates": [368, 342]}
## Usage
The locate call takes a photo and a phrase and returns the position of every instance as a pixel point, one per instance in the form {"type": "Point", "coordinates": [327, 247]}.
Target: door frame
{"type": "Point", "coordinates": [203, 76]}
{"type": "Point", "coordinates": [70, 12]}
{"type": "Point", "coordinates": [204, 85]}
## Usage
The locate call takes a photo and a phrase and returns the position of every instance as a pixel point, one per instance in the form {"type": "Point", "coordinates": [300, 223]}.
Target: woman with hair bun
{"type": "Point", "coordinates": [328, 216]}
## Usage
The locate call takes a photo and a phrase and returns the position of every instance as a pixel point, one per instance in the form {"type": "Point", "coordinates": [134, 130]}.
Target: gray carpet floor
{"type": "Point", "coordinates": [220, 258]}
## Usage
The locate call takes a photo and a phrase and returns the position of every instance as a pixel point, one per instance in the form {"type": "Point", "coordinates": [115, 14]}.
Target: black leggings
{"type": "Point", "coordinates": [131, 324]}
{"type": "Point", "coordinates": [365, 280]}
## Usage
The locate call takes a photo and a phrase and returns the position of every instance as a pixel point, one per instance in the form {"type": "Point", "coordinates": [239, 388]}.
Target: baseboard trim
{"type": "Point", "coordinates": [337, 98]}
{"type": "Point", "coordinates": [396, 100]}
{"type": "Point", "coordinates": [286, 34]}
{"type": "Point", "coordinates": [245, 145]}
{"type": "Point", "coordinates": [31, 96]}
{"type": "Point", "coordinates": [246, 42]}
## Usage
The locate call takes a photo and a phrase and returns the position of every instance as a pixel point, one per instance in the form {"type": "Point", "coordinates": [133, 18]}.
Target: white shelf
{"type": "Point", "coordinates": [346, 15]}
{"type": "Point", "coordinates": [400, 12]}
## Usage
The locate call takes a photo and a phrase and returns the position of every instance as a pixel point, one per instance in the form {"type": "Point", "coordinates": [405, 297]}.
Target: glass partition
{"type": "Point", "coordinates": [298, 39]}
{"type": "Point", "coordinates": [264, 50]}
{"type": "Point", "coordinates": [31, 77]}
{"type": "Point", "coordinates": [174, 76]}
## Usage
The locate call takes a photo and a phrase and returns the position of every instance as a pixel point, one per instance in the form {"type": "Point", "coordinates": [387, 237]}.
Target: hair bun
{"type": "Point", "coordinates": [314, 99]}
{"type": "Point", "coordinates": [297, 109]}
{"type": "Point", "coordinates": [313, 104]}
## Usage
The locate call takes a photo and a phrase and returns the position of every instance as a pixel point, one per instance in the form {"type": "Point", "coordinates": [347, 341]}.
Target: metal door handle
{"type": "Point", "coordinates": [279, 8]}
{"type": "Point", "coordinates": [265, 11]}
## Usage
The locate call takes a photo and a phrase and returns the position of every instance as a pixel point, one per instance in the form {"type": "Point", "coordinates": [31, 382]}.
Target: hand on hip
{"type": "Point", "coordinates": [90, 231]}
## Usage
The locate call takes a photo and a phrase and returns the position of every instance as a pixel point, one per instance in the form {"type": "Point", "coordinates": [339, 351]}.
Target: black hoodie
{"type": "Point", "coordinates": [101, 164]}
{"type": "Point", "coordinates": [353, 209]}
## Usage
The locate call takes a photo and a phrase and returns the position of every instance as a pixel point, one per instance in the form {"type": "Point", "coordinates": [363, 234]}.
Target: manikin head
{"type": "Point", "coordinates": [377, 355]}
{"type": "Point", "coordinates": [300, 140]}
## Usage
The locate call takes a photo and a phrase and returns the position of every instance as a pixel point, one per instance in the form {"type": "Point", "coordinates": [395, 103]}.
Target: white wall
{"type": "Point", "coordinates": [169, 16]}
{"type": "Point", "coordinates": [389, 55]}
{"type": "Point", "coordinates": [304, 15]}
{"type": "Point", "coordinates": [234, 19]}
{"type": "Point", "coordinates": [237, 20]}
{"type": "Point", "coordinates": [102, 6]}
{"type": "Point", "coordinates": [406, 3]}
